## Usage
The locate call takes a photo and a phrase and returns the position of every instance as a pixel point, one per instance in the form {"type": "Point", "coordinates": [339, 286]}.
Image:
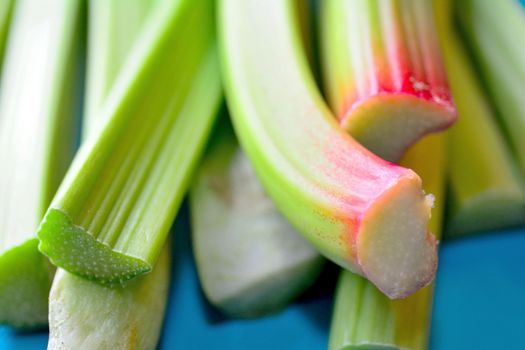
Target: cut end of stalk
{"type": "Point", "coordinates": [388, 124]}
{"type": "Point", "coordinates": [74, 249]}
{"type": "Point", "coordinates": [25, 279]}
{"type": "Point", "coordinates": [395, 250]}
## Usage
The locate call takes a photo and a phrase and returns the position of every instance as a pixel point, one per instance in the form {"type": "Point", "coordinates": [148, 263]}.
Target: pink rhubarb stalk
{"type": "Point", "coordinates": [383, 71]}
{"type": "Point", "coordinates": [364, 213]}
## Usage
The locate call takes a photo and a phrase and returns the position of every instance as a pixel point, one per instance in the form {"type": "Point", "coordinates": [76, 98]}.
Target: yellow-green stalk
{"type": "Point", "coordinates": [487, 191]}
{"type": "Point", "coordinates": [114, 26]}
{"type": "Point", "coordinates": [37, 102]}
{"type": "Point", "coordinates": [83, 314]}
{"type": "Point", "coordinates": [111, 216]}
{"type": "Point", "coordinates": [250, 259]}
{"type": "Point", "coordinates": [495, 33]}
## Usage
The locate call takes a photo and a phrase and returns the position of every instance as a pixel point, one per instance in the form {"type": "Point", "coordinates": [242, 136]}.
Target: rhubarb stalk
{"type": "Point", "coordinates": [82, 313]}
{"type": "Point", "coordinates": [383, 72]}
{"type": "Point", "coordinates": [366, 214]}
{"type": "Point", "coordinates": [86, 315]}
{"type": "Point", "coordinates": [486, 189]}
{"type": "Point", "coordinates": [496, 34]}
{"type": "Point", "coordinates": [114, 26]}
{"type": "Point", "coordinates": [365, 318]}
{"type": "Point", "coordinates": [250, 259]}
{"type": "Point", "coordinates": [37, 102]}
{"type": "Point", "coordinates": [112, 214]}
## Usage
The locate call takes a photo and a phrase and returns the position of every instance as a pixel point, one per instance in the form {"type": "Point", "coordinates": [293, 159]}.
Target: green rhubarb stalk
{"type": "Point", "coordinates": [86, 315]}
{"type": "Point", "coordinates": [250, 260]}
{"type": "Point", "coordinates": [111, 37]}
{"type": "Point", "coordinates": [383, 72]}
{"type": "Point", "coordinates": [112, 214]}
{"type": "Point", "coordinates": [366, 214]}
{"type": "Point", "coordinates": [486, 190]}
{"type": "Point", "coordinates": [82, 313]}
{"type": "Point", "coordinates": [6, 10]}
{"type": "Point", "coordinates": [496, 34]}
{"type": "Point", "coordinates": [36, 146]}
{"type": "Point", "coordinates": [363, 317]}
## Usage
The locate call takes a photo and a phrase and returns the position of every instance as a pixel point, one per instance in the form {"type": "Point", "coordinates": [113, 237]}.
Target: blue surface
{"type": "Point", "coordinates": [479, 304]}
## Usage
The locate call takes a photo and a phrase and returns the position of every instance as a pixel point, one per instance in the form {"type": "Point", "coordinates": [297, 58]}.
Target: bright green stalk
{"type": "Point", "coordinates": [112, 214]}
{"type": "Point", "coordinates": [487, 191]}
{"type": "Point", "coordinates": [250, 259]}
{"type": "Point", "coordinates": [84, 314]}
{"type": "Point", "coordinates": [367, 215]}
{"type": "Point", "coordinates": [107, 53]}
{"type": "Point", "coordinates": [36, 146]}
{"type": "Point", "coordinates": [383, 72]}
{"type": "Point", "coordinates": [363, 317]}
{"type": "Point", "coordinates": [496, 33]}
{"type": "Point", "coordinates": [6, 10]}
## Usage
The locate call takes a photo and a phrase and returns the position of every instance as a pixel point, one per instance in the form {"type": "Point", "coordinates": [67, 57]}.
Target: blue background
{"type": "Point", "coordinates": [479, 304]}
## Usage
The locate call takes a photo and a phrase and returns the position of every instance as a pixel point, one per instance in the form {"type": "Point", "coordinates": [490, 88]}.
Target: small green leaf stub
{"type": "Point", "coordinates": [73, 248]}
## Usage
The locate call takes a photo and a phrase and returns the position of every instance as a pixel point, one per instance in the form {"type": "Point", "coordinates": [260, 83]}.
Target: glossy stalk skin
{"type": "Point", "coordinates": [495, 32]}
{"type": "Point", "coordinates": [363, 317]}
{"type": "Point", "coordinates": [83, 314]}
{"type": "Point", "coordinates": [36, 146]}
{"type": "Point", "coordinates": [487, 191]}
{"type": "Point", "coordinates": [346, 201]}
{"type": "Point", "coordinates": [383, 71]}
{"type": "Point", "coordinates": [112, 214]}
{"type": "Point", "coordinates": [251, 261]}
